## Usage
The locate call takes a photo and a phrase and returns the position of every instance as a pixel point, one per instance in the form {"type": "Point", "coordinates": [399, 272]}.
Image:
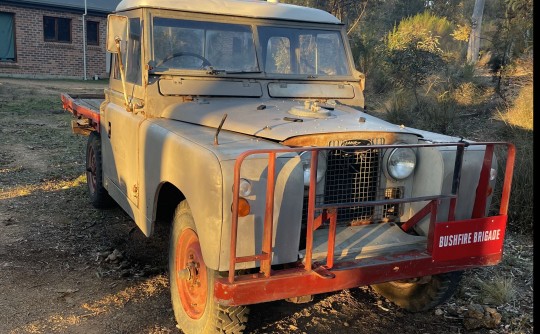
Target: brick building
{"type": "Point", "coordinates": [44, 38]}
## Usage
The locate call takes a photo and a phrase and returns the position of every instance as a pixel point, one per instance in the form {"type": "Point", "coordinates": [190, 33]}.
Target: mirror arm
{"type": "Point", "coordinates": [129, 106]}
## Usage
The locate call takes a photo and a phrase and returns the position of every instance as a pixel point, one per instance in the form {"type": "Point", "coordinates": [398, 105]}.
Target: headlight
{"type": "Point", "coordinates": [305, 157]}
{"type": "Point", "coordinates": [401, 163]}
{"type": "Point", "coordinates": [245, 188]}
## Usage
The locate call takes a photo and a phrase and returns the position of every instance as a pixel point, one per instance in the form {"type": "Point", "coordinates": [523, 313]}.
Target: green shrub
{"type": "Point", "coordinates": [424, 27]}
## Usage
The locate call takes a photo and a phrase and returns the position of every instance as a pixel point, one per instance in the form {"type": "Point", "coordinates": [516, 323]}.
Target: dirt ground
{"type": "Point", "coordinates": [60, 273]}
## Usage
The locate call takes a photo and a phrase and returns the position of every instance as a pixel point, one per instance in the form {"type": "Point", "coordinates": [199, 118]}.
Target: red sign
{"type": "Point", "coordinates": [468, 238]}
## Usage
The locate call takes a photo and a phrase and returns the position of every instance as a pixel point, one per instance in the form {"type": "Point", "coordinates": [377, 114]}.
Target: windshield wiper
{"type": "Point", "coordinates": [208, 70]}
{"type": "Point", "coordinates": [213, 71]}
{"type": "Point", "coordinates": [242, 72]}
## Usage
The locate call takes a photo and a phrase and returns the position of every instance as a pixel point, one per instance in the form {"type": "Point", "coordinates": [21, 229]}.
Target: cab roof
{"type": "Point", "coordinates": [244, 8]}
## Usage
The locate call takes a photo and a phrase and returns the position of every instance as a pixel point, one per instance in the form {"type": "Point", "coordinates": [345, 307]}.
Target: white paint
{"type": "Point", "coordinates": [469, 238]}
{"type": "Point", "coordinates": [245, 8]}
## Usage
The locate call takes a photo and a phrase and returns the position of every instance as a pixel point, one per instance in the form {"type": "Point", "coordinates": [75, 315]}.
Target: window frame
{"type": "Point", "coordinates": [56, 29]}
{"type": "Point", "coordinates": [135, 91]}
{"type": "Point", "coordinates": [96, 42]}
{"type": "Point", "coordinates": [14, 25]}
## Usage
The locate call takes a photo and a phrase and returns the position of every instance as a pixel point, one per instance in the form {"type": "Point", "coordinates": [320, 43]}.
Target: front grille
{"type": "Point", "coordinates": [352, 176]}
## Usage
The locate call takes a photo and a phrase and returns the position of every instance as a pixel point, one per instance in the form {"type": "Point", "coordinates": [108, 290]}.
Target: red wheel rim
{"type": "Point", "coordinates": [91, 170]}
{"type": "Point", "coordinates": [193, 290]}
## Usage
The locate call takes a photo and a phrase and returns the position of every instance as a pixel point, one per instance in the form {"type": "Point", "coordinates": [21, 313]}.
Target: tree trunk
{"type": "Point", "coordinates": [474, 39]}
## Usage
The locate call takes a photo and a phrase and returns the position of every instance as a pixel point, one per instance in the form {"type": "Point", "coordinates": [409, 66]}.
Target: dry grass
{"type": "Point", "coordinates": [38, 152]}
{"type": "Point", "coordinates": [28, 189]}
{"type": "Point", "coordinates": [520, 113]}
{"type": "Point", "coordinates": [498, 291]}
{"type": "Point", "coordinates": [466, 93]}
{"type": "Point", "coordinates": [397, 108]}
{"type": "Point", "coordinates": [517, 115]}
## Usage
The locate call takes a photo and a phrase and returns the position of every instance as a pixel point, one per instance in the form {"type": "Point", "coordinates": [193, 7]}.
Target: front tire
{"type": "Point", "coordinates": [99, 197]}
{"type": "Point", "coordinates": [420, 294]}
{"type": "Point", "coordinates": [192, 283]}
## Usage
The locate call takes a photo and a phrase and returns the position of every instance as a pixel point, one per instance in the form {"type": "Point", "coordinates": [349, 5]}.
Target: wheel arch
{"type": "Point", "coordinates": [168, 197]}
{"type": "Point", "coordinates": [173, 168]}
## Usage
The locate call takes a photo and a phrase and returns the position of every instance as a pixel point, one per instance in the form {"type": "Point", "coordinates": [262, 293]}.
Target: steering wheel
{"type": "Point", "coordinates": [205, 62]}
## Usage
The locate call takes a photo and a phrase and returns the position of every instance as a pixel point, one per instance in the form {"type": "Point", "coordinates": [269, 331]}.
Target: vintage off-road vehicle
{"type": "Point", "coordinates": [243, 123]}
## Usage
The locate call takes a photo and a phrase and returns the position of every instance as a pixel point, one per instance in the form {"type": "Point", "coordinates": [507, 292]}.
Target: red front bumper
{"type": "Point", "coordinates": [454, 246]}
{"type": "Point", "coordinates": [450, 246]}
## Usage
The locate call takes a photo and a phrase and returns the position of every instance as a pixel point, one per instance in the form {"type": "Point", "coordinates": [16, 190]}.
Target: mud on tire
{"type": "Point", "coordinates": [193, 298]}
{"type": "Point", "coordinates": [422, 294]}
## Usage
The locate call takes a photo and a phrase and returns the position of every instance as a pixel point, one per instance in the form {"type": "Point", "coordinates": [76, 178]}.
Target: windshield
{"type": "Point", "coordinates": [223, 47]}
{"type": "Point", "coordinates": [196, 45]}
{"type": "Point", "coordinates": [299, 51]}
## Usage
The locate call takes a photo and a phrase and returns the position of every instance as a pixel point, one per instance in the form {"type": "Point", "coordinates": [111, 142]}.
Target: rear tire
{"type": "Point", "coordinates": [421, 294]}
{"type": "Point", "coordinates": [99, 197]}
{"type": "Point", "coordinates": [193, 298]}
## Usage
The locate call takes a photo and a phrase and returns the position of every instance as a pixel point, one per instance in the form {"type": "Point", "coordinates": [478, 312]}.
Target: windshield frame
{"type": "Point", "coordinates": [254, 24]}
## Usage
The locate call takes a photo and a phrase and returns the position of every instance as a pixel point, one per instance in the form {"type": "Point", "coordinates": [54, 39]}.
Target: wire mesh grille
{"type": "Point", "coordinates": [352, 177]}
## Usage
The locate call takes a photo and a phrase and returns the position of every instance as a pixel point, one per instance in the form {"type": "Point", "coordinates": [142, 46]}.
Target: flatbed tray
{"type": "Point", "coordinates": [85, 108]}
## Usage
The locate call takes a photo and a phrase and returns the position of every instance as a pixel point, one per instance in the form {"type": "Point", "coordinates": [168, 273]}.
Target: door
{"type": "Point", "coordinates": [120, 125]}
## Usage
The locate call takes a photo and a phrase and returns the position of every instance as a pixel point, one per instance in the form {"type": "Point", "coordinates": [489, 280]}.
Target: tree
{"type": "Point", "coordinates": [412, 56]}
{"type": "Point", "coordinates": [474, 40]}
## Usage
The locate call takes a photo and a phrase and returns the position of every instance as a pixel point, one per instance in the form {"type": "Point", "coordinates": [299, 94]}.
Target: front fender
{"type": "Point", "coordinates": [287, 210]}
{"type": "Point", "coordinates": [185, 155]}
{"type": "Point", "coordinates": [170, 154]}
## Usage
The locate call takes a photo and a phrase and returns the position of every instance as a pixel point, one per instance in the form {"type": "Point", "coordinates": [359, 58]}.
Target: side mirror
{"type": "Point", "coordinates": [117, 30]}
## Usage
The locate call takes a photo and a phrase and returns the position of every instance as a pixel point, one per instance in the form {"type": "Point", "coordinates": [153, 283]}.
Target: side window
{"type": "Point", "coordinates": [131, 54]}
{"type": "Point", "coordinates": [7, 37]}
{"type": "Point", "coordinates": [278, 55]}
{"type": "Point", "coordinates": [133, 63]}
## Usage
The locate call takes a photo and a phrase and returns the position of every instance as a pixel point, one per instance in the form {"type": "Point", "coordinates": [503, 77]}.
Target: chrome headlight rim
{"type": "Point", "coordinates": [244, 188]}
{"type": "Point", "coordinates": [305, 158]}
{"type": "Point", "coordinates": [400, 163]}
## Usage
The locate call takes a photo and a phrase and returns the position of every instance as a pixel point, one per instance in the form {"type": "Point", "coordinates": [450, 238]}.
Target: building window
{"type": "Point", "coordinates": [92, 33]}
{"type": "Point", "coordinates": [7, 37]}
{"type": "Point", "coordinates": [56, 29]}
